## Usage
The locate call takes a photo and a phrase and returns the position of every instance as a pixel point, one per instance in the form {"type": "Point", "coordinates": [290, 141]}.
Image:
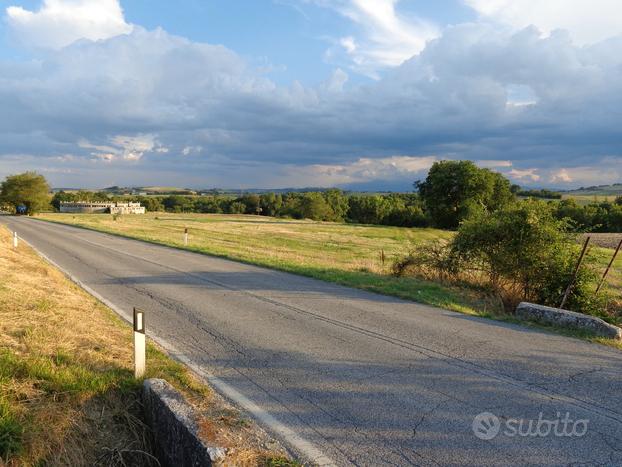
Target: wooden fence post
{"type": "Point", "coordinates": [602, 280]}
{"type": "Point", "coordinates": [574, 274]}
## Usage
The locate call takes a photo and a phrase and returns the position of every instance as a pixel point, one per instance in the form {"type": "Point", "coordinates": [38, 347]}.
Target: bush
{"type": "Point", "coordinates": [527, 254]}
{"type": "Point", "coordinates": [432, 261]}
{"type": "Point", "coordinates": [521, 252]}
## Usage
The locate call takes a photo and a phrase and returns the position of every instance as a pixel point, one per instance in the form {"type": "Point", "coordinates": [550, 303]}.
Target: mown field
{"type": "Point", "coordinates": [584, 200]}
{"type": "Point", "coordinates": [348, 254]}
{"type": "Point", "coordinates": [67, 391]}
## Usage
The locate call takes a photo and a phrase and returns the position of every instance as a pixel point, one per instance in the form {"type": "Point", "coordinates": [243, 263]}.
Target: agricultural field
{"type": "Point", "coordinates": [349, 254]}
{"type": "Point", "coordinates": [584, 200]}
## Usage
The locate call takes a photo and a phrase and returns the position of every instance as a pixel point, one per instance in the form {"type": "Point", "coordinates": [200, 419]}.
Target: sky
{"type": "Point", "coordinates": [358, 94]}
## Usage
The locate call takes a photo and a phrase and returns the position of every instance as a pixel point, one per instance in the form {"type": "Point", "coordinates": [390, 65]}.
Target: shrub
{"type": "Point", "coordinates": [432, 261]}
{"type": "Point", "coordinates": [527, 254]}
{"type": "Point", "coordinates": [521, 252]}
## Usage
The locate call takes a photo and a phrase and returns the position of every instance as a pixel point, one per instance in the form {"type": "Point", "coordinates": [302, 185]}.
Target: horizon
{"type": "Point", "coordinates": [350, 94]}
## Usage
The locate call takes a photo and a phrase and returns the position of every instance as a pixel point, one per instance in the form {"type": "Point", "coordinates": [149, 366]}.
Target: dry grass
{"type": "Point", "coordinates": [584, 200]}
{"type": "Point", "coordinates": [347, 254]}
{"type": "Point", "coordinates": [67, 392]}
{"type": "Point", "coordinates": [251, 238]}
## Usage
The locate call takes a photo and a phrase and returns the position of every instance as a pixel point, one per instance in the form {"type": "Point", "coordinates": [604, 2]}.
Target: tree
{"type": "Point", "coordinates": [237, 208]}
{"type": "Point", "coordinates": [29, 189]}
{"type": "Point", "coordinates": [314, 206]}
{"type": "Point", "coordinates": [453, 190]}
{"type": "Point", "coordinates": [368, 209]}
{"type": "Point", "coordinates": [252, 203]}
{"type": "Point", "coordinates": [338, 202]}
{"type": "Point", "coordinates": [178, 203]}
{"type": "Point", "coordinates": [151, 203]}
{"type": "Point", "coordinates": [270, 204]}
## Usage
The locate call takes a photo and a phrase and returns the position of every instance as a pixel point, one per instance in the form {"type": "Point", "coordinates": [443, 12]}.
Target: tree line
{"type": "Point", "coordinates": [452, 192]}
{"type": "Point", "coordinates": [398, 209]}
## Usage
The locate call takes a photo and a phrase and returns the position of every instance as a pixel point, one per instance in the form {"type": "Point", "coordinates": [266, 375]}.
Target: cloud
{"type": "Point", "coordinates": [363, 170]}
{"type": "Point", "coordinates": [587, 21]}
{"type": "Point", "coordinates": [124, 148]}
{"type": "Point", "coordinates": [387, 38]}
{"type": "Point", "coordinates": [493, 164]}
{"type": "Point", "coordinates": [561, 175]}
{"type": "Point", "coordinates": [155, 95]}
{"type": "Point", "coordinates": [60, 22]}
{"type": "Point", "coordinates": [608, 172]}
{"type": "Point", "coordinates": [524, 174]}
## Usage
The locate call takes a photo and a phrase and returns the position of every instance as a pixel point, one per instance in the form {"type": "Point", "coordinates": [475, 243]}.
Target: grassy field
{"type": "Point", "coordinates": [67, 391]}
{"type": "Point", "coordinates": [344, 253]}
{"type": "Point", "coordinates": [584, 200]}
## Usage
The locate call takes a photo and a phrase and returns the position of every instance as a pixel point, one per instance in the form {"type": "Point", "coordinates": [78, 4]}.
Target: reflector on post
{"type": "Point", "coordinates": [139, 343]}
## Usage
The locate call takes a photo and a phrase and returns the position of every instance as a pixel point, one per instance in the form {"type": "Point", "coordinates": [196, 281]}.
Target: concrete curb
{"type": "Point", "coordinates": [173, 423]}
{"type": "Point", "coordinates": [567, 319]}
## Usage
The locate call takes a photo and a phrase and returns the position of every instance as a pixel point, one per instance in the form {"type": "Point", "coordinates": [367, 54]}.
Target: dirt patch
{"type": "Point", "coordinates": [605, 240]}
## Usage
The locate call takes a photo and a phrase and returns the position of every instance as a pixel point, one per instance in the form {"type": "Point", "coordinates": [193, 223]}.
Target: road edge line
{"type": "Point", "coordinates": [298, 443]}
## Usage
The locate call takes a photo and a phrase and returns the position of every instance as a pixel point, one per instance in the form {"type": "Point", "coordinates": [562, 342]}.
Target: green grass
{"type": "Point", "coordinates": [11, 430]}
{"type": "Point", "coordinates": [347, 254]}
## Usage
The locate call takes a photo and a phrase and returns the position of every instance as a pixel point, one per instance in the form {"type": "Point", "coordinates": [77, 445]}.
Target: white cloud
{"type": "Point", "coordinates": [493, 164]}
{"type": "Point", "coordinates": [608, 170]}
{"type": "Point", "coordinates": [124, 148]}
{"type": "Point", "coordinates": [188, 150]}
{"type": "Point", "coordinates": [588, 21]}
{"type": "Point", "coordinates": [561, 175]}
{"type": "Point", "coordinates": [336, 81]}
{"type": "Point", "coordinates": [58, 23]}
{"type": "Point", "coordinates": [387, 38]}
{"type": "Point", "coordinates": [524, 174]}
{"type": "Point", "coordinates": [362, 170]}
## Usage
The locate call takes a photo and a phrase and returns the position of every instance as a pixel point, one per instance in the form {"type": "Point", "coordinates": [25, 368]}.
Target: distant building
{"type": "Point", "coordinates": [95, 207]}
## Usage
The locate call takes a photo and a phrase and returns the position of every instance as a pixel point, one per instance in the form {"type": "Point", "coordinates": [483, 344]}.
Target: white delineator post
{"type": "Point", "coordinates": [14, 239]}
{"type": "Point", "coordinates": [186, 236]}
{"type": "Point", "coordinates": [139, 343]}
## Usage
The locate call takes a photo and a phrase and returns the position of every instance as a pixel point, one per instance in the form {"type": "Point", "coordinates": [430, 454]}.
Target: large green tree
{"type": "Point", "coordinates": [453, 190]}
{"type": "Point", "coordinates": [29, 189]}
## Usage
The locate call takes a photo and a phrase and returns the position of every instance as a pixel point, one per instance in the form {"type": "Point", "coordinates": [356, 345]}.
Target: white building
{"type": "Point", "coordinates": [127, 208]}
{"type": "Point", "coordinates": [101, 207]}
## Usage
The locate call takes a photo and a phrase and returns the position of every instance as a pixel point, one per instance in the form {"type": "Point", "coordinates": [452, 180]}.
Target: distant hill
{"type": "Point", "coordinates": [597, 190]}
{"type": "Point", "coordinates": [164, 189]}
{"type": "Point", "coordinates": [150, 190]}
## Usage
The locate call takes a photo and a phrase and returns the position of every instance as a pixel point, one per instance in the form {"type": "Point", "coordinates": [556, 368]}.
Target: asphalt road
{"type": "Point", "coordinates": [362, 379]}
